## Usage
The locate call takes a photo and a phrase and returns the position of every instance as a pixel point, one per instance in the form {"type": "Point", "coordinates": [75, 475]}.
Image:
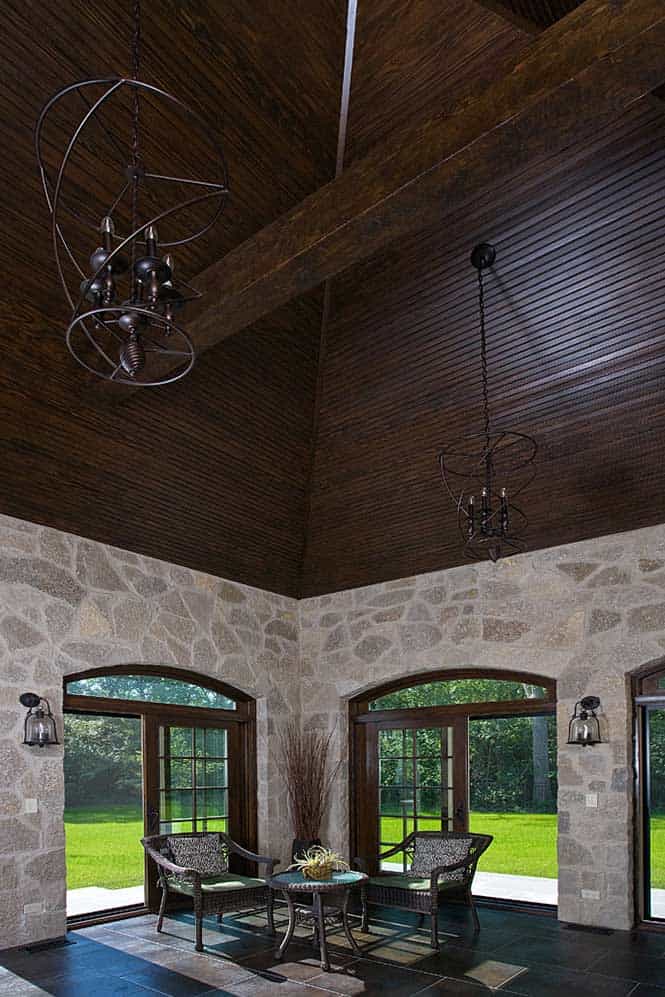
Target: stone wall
{"type": "Point", "coordinates": [67, 604]}
{"type": "Point", "coordinates": [586, 614]}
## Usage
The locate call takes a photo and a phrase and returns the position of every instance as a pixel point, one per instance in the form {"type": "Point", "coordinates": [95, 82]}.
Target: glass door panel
{"type": "Point", "coordinates": [655, 812]}
{"type": "Point", "coordinates": [513, 790]}
{"type": "Point", "coordinates": [103, 812]}
{"type": "Point", "coordinates": [193, 779]}
{"type": "Point", "coordinates": [416, 772]}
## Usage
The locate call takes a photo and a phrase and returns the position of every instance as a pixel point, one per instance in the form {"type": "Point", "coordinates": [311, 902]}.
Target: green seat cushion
{"type": "Point", "coordinates": [414, 883]}
{"type": "Point", "coordinates": [223, 883]}
{"type": "Point", "coordinates": [400, 882]}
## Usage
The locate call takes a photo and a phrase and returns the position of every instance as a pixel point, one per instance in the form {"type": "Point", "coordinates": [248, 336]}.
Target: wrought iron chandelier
{"type": "Point", "coordinates": [484, 472]}
{"type": "Point", "coordinates": [124, 299]}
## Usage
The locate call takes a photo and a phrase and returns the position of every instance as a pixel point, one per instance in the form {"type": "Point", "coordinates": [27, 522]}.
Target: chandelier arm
{"type": "Point", "coordinates": [163, 351]}
{"type": "Point", "coordinates": [58, 95]}
{"type": "Point", "coordinates": [93, 342]}
{"type": "Point", "coordinates": [199, 183]}
{"type": "Point", "coordinates": [120, 151]}
{"type": "Point", "coordinates": [121, 245]}
{"type": "Point", "coordinates": [113, 83]}
{"type": "Point", "coordinates": [58, 186]}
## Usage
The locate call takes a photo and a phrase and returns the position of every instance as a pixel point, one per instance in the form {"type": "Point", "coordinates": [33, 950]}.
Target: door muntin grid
{"type": "Point", "coordinates": [416, 787]}
{"type": "Point", "coordinates": [193, 779]}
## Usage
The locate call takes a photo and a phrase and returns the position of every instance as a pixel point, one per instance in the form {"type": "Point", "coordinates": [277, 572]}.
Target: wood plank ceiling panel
{"type": "Point", "coordinates": [541, 12]}
{"type": "Point", "coordinates": [415, 58]}
{"type": "Point", "coordinates": [210, 472]}
{"type": "Point", "coordinates": [576, 353]}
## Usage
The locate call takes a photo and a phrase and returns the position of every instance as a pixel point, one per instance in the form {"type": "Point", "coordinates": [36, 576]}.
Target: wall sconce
{"type": "Point", "coordinates": [584, 727]}
{"type": "Point", "coordinates": [39, 726]}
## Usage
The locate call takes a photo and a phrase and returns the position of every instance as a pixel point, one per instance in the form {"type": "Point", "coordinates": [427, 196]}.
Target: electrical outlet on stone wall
{"type": "Point", "coordinates": [35, 908]}
{"type": "Point", "coordinates": [590, 894]}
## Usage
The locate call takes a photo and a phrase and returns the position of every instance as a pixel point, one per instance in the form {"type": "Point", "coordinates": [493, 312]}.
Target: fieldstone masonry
{"type": "Point", "coordinates": [587, 614]}
{"type": "Point", "coordinates": [67, 604]}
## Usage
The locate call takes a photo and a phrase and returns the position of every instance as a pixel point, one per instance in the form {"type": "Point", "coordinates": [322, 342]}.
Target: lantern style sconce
{"type": "Point", "coordinates": [40, 726]}
{"type": "Point", "coordinates": [584, 727]}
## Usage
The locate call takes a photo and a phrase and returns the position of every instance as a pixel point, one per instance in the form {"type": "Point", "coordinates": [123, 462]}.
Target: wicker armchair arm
{"type": "Point", "coordinates": [402, 846]}
{"type": "Point", "coordinates": [244, 853]}
{"type": "Point", "coordinates": [164, 863]}
{"type": "Point", "coordinates": [468, 863]}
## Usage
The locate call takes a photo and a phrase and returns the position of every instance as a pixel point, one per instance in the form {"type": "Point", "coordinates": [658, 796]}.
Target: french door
{"type": "Point", "coordinates": [652, 768]}
{"type": "Point", "coordinates": [150, 750]}
{"type": "Point", "coordinates": [195, 780]}
{"type": "Point", "coordinates": [414, 778]}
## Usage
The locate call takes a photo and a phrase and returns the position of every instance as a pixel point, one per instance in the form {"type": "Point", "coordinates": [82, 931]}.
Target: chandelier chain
{"type": "Point", "coordinates": [483, 357]}
{"type": "Point", "coordinates": [136, 68]}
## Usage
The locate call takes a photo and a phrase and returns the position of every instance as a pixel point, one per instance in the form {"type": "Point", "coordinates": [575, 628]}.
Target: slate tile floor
{"type": "Point", "coordinates": [515, 954]}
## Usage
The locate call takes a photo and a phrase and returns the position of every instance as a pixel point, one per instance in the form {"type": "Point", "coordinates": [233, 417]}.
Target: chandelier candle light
{"type": "Point", "coordinates": [484, 472]}
{"type": "Point", "coordinates": [123, 299]}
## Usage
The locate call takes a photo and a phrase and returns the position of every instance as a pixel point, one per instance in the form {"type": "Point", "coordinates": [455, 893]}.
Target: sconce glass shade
{"type": "Point", "coordinates": [39, 729]}
{"type": "Point", "coordinates": [584, 728]}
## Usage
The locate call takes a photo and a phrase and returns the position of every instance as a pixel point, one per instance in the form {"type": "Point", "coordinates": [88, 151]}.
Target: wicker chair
{"type": "Point", "coordinates": [441, 862]}
{"type": "Point", "coordinates": [196, 864]}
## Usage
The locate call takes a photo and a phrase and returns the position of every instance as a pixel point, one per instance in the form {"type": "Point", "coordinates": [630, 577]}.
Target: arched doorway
{"type": "Point", "coordinates": [149, 750]}
{"type": "Point", "coordinates": [649, 698]}
{"type": "Point", "coordinates": [458, 750]}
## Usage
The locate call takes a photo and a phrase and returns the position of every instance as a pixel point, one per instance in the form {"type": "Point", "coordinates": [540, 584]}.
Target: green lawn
{"type": "Point", "coordinates": [525, 844]}
{"type": "Point", "coordinates": [103, 846]}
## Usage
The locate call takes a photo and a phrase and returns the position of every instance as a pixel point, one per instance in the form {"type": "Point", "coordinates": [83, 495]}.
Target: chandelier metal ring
{"type": "Point", "coordinates": [168, 329]}
{"type": "Point", "coordinates": [114, 83]}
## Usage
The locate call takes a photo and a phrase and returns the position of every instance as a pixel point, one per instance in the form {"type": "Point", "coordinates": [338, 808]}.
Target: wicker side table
{"type": "Point", "coordinates": [330, 902]}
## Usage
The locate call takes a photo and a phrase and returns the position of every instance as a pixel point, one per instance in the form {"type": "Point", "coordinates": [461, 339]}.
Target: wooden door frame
{"type": "Point", "coordinates": [364, 724]}
{"type": "Point", "coordinates": [240, 722]}
{"type": "Point", "coordinates": [645, 693]}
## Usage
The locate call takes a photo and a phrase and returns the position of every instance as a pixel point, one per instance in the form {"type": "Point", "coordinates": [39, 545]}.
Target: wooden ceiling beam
{"type": "Point", "coordinates": [579, 76]}
{"type": "Point", "coordinates": [512, 17]}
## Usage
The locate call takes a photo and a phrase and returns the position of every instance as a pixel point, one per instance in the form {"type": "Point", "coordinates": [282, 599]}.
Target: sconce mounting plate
{"type": "Point", "coordinates": [29, 699]}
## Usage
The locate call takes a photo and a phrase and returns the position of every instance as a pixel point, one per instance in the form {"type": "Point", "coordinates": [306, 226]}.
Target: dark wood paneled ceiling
{"type": "Point", "coordinates": [211, 472]}
{"type": "Point", "coordinates": [576, 347]}
{"type": "Point", "coordinates": [216, 472]}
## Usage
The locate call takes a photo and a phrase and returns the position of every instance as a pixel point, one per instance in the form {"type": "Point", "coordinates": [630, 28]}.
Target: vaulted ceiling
{"type": "Point", "coordinates": [300, 454]}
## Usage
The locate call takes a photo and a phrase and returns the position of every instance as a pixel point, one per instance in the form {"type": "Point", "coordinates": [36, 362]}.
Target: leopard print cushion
{"type": "Point", "coordinates": [205, 855]}
{"type": "Point", "coordinates": [432, 852]}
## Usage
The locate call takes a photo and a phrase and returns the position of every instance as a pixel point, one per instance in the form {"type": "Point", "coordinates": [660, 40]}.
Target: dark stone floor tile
{"type": "Point", "coordinates": [301, 963]}
{"type": "Point", "coordinates": [456, 988]}
{"type": "Point", "coordinates": [99, 985]}
{"type": "Point", "coordinates": [570, 951]}
{"type": "Point", "coordinates": [266, 987]}
{"type": "Point", "coordinates": [166, 981]}
{"type": "Point", "coordinates": [647, 990]}
{"type": "Point", "coordinates": [553, 981]}
{"type": "Point", "coordinates": [201, 966]}
{"type": "Point", "coordinates": [473, 965]}
{"type": "Point", "coordinates": [649, 942]}
{"type": "Point", "coordinates": [368, 978]}
{"type": "Point", "coordinates": [631, 965]}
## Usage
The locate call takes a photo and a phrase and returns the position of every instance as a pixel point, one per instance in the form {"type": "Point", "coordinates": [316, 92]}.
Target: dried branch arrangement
{"type": "Point", "coordinates": [308, 776]}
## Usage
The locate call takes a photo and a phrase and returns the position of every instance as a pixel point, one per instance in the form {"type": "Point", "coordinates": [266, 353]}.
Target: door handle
{"type": "Point", "coordinates": [153, 820]}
